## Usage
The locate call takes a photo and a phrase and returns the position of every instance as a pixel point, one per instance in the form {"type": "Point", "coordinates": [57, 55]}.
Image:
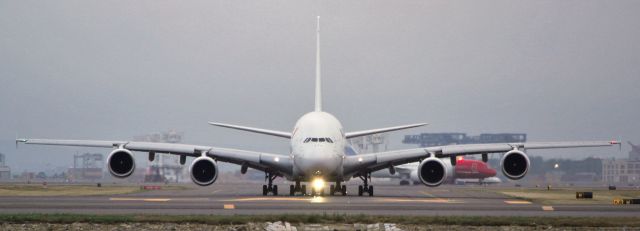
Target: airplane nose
{"type": "Point", "coordinates": [317, 163]}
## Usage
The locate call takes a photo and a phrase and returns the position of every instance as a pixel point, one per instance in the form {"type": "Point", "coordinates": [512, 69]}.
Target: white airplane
{"type": "Point", "coordinates": [317, 154]}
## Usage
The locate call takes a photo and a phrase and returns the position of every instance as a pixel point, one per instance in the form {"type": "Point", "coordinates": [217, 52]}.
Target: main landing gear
{"type": "Point", "coordinates": [293, 189]}
{"type": "Point", "coordinates": [365, 188]}
{"type": "Point", "coordinates": [269, 188]}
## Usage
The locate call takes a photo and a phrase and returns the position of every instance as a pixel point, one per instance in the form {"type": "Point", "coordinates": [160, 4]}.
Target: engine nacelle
{"type": "Point", "coordinates": [203, 171]}
{"type": "Point", "coordinates": [121, 163]}
{"type": "Point", "coordinates": [515, 164]}
{"type": "Point", "coordinates": [432, 172]}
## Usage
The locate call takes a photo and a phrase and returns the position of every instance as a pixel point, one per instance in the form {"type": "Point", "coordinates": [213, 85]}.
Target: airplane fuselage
{"type": "Point", "coordinates": [317, 147]}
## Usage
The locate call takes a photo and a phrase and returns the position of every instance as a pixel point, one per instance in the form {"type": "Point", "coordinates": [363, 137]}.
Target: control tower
{"type": "Point", "coordinates": [5, 171]}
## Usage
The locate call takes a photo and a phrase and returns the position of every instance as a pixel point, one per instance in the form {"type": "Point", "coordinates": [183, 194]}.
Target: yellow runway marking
{"type": "Point", "coordinates": [140, 199]}
{"type": "Point", "coordinates": [318, 200]}
{"type": "Point", "coordinates": [518, 202]}
{"type": "Point", "coordinates": [269, 199]}
{"type": "Point", "coordinates": [436, 200]}
{"type": "Point", "coordinates": [427, 194]}
{"type": "Point", "coordinates": [190, 199]}
{"type": "Point", "coordinates": [547, 208]}
{"type": "Point", "coordinates": [229, 206]}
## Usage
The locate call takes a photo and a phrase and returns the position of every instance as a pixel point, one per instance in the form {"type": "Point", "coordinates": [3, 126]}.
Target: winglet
{"type": "Point", "coordinates": [20, 141]}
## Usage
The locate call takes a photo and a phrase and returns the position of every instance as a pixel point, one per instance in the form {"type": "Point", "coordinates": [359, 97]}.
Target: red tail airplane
{"type": "Point", "coordinates": [465, 170]}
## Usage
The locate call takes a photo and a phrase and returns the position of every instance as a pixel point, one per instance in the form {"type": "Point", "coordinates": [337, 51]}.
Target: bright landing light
{"type": "Point", "coordinates": [318, 183]}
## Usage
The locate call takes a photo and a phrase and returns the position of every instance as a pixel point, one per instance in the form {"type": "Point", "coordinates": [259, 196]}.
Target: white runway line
{"type": "Point", "coordinates": [547, 208]}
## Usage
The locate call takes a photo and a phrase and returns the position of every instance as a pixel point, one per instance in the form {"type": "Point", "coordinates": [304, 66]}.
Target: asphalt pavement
{"type": "Point", "coordinates": [246, 198]}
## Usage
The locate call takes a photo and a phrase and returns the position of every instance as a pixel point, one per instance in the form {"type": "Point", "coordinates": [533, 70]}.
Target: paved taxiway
{"type": "Point", "coordinates": [244, 199]}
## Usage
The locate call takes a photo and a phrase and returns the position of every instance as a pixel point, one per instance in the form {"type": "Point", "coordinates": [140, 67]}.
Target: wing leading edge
{"type": "Point", "coordinates": [258, 160]}
{"type": "Point", "coordinates": [377, 161]}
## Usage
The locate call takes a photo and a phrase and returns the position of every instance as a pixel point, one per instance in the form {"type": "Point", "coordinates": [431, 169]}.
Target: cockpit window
{"type": "Point", "coordinates": [324, 139]}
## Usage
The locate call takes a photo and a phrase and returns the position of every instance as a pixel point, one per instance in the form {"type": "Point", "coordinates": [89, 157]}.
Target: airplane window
{"type": "Point", "coordinates": [329, 140]}
{"type": "Point", "coordinates": [314, 139]}
{"type": "Point", "coordinates": [322, 139]}
{"type": "Point", "coordinates": [307, 140]}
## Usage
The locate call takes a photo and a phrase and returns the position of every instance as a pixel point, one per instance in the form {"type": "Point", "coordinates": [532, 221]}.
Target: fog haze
{"type": "Point", "coordinates": [111, 70]}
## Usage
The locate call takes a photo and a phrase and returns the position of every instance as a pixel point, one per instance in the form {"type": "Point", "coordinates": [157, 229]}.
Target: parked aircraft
{"type": "Point", "coordinates": [464, 170]}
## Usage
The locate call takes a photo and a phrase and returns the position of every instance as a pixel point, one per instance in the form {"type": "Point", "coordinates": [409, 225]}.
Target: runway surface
{"type": "Point", "coordinates": [246, 199]}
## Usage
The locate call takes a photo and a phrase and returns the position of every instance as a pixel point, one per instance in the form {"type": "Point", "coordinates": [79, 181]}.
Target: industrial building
{"type": "Point", "coordinates": [623, 170]}
{"type": "Point", "coordinates": [371, 143]}
{"type": "Point", "coordinates": [86, 167]}
{"type": "Point", "coordinates": [438, 139]}
{"type": "Point", "coordinates": [164, 168]}
{"type": "Point", "coordinates": [5, 171]}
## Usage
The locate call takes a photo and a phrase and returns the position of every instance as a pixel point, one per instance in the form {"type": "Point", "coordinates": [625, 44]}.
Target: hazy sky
{"type": "Point", "coordinates": [557, 70]}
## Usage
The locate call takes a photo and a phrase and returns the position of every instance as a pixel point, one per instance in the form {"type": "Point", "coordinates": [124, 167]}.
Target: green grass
{"type": "Point", "coordinates": [326, 219]}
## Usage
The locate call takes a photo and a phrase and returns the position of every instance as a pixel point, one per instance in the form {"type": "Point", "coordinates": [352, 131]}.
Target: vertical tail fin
{"type": "Point", "coordinates": [318, 79]}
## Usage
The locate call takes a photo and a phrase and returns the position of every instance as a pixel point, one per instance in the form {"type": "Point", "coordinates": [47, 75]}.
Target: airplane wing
{"type": "Point", "coordinates": [349, 135]}
{"type": "Point", "coordinates": [377, 161]}
{"type": "Point", "coordinates": [256, 130]}
{"type": "Point", "coordinates": [258, 160]}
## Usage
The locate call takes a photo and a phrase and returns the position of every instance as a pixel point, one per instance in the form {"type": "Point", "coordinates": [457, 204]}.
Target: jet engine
{"type": "Point", "coordinates": [432, 172]}
{"type": "Point", "coordinates": [204, 171]}
{"type": "Point", "coordinates": [515, 164]}
{"type": "Point", "coordinates": [121, 163]}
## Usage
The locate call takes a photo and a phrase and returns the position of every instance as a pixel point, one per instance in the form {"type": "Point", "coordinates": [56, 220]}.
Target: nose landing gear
{"type": "Point", "coordinates": [317, 192]}
{"type": "Point", "coordinates": [342, 189]}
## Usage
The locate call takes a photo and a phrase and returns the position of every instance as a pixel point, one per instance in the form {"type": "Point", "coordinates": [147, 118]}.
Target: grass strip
{"type": "Point", "coordinates": [326, 219]}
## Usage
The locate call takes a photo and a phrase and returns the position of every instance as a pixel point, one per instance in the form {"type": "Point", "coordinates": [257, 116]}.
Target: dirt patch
{"type": "Point", "coordinates": [64, 190]}
{"type": "Point", "coordinates": [271, 226]}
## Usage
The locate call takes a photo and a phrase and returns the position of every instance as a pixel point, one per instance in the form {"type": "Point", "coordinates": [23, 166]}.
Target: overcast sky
{"type": "Point", "coordinates": [557, 70]}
